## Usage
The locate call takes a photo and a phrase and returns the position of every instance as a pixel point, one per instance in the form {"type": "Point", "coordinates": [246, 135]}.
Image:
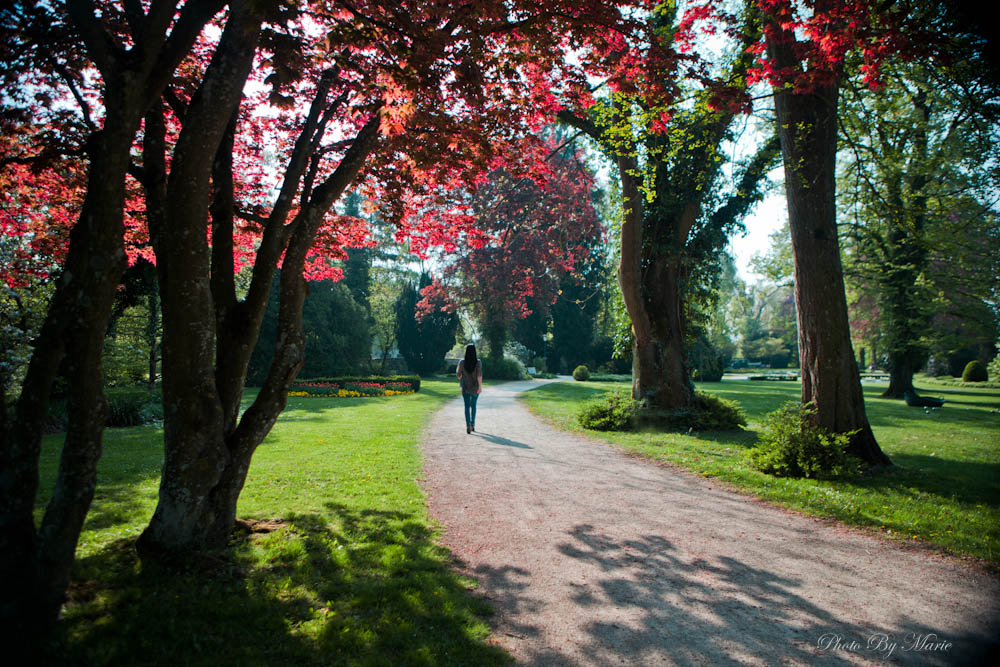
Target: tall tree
{"type": "Point", "coordinates": [356, 101]}
{"type": "Point", "coordinates": [675, 220]}
{"type": "Point", "coordinates": [768, 316]}
{"type": "Point", "coordinates": [535, 223]}
{"type": "Point", "coordinates": [423, 341]}
{"type": "Point", "coordinates": [806, 74]}
{"type": "Point", "coordinates": [331, 318]}
{"type": "Point", "coordinates": [135, 51]}
{"type": "Point", "coordinates": [397, 78]}
{"type": "Point", "coordinates": [917, 151]}
{"type": "Point", "coordinates": [386, 288]}
{"type": "Point", "coordinates": [358, 265]}
{"type": "Point", "coordinates": [575, 311]}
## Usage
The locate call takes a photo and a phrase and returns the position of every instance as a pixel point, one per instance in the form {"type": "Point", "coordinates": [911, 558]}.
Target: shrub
{"type": "Point", "coordinates": [618, 412]}
{"type": "Point", "coordinates": [581, 373]}
{"type": "Point", "coordinates": [707, 413]}
{"type": "Point", "coordinates": [502, 369]}
{"type": "Point", "coordinates": [975, 371]}
{"type": "Point", "coordinates": [132, 406]}
{"type": "Point", "coordinates": [615, 412]}
{"type": "Point", "coordinates": [539, 364]}
{"type": "Point", "coordinates": [791, 446]}
{"type": "Point", "coordinates": [993, 368]}
{"type": "Point", "coordinates": [717, 414]}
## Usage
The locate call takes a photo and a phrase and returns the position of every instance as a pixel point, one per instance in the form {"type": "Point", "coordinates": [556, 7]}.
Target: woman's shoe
{"type": "Point", "coordinates": [473, 427]}
{"type": "Point", "coordinates": [468, 429]}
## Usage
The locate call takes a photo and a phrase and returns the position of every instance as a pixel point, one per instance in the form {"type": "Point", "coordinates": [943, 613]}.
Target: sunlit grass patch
{"type": "Point", "coordinates": [345, 570]}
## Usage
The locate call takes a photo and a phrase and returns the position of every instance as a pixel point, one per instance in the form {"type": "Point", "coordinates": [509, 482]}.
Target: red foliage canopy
{"type": "Point", "coordinates": [530, 223]}
{"type": "Point", "coordinates": [450, 80]}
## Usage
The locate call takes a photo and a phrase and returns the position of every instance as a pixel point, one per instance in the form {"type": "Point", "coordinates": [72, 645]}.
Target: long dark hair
{"type": "Point", "coordinates": [470, 359]}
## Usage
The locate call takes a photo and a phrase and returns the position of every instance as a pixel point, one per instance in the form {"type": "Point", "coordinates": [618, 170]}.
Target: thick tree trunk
{"type": "Point", "coordinates": [256, 423]}
{"type": "Point", "coordinates": [660, 367]}
{"type": "Point", "coordinates": [195, 453]}
{"type": "Point", "coordinates": [900, 379]}
{"type": "Point", "coordinates": [830, 380]}
{"type": "Point", "coordinates": [36, 566]}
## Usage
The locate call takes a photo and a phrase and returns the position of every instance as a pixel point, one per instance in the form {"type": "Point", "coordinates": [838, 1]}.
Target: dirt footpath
{"type": "Point", "coordinates": [591, 557]}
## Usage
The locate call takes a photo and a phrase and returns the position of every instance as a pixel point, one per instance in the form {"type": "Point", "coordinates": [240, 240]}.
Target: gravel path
{"type": "Point", "coordinates": [591, 557]}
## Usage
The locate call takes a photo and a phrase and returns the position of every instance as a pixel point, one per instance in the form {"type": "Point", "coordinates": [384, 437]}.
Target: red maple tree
{"type": "Point", "coordinates": [531, 223]}
{"type": "Point", "coordinates": [398, 96]}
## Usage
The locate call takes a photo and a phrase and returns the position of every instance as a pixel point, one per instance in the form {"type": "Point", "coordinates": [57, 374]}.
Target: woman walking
{"type": "Point", "coordinates": [470, 375]}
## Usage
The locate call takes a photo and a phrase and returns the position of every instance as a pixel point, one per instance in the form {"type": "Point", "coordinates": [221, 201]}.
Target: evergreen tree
{"type": "Point", "coordinates": [357, 266]}
{"type": "Point", "coordinates": [423, 343]}
{"type": "Point", "coordinates": [335, 344]}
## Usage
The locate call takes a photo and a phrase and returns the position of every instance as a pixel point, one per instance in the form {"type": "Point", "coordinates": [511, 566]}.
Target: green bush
{"type": "Point", "coordinates": [791, 446]}
{"type": "Point", "coordinates": [993, 368]}
{"type": "Point", "coordinates": [717, 414]}
{"type": "Point", "coordinates": [975, 371]}
{"type": "Point", "coordinates": [127, 406]}
{"type": "Point", "coordinates": [539, 364]}
{"type": "Point", "coordinates": [132, 406]}
{"type": "Point", "coordinates": [502, 369]}
{"type": "Point", "coordinates": [615, 412]}
{"type": "Point", "coordinates": [618, 412]}
{"type": "Point", "coordinates": [707, 413]}
{"type": "Point", "coordinates": [581, 373]}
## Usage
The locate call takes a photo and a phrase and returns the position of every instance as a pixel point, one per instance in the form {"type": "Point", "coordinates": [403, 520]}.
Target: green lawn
{"type": "Point", "coordinates": [352, 574]}
{"type": "Point", "coordinates": [944, 490]}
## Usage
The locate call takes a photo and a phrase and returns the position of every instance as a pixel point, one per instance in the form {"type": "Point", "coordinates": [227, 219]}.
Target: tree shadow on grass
{"type": "Point", "coordinates": [972, 482]}
{"type": "Point", "coordinates": [347, 587]}
{"type": "Point", "coordinates": [132, 458]}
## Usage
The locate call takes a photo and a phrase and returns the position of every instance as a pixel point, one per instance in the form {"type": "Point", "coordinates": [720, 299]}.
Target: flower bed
{"type": "Point", "coordinates": [353, 389]}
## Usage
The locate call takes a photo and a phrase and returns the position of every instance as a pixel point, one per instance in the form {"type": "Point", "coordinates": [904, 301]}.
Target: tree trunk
{"type": "Point", "coordinates": [900, 379]}
{"type": "Point", "coordinates": [495, 332]}
{"type": "Point", "coordinates": [195, 453]}
{"type": "Point", "coordinates": [37, 566]}
{"type": "Point", "coordinates": [659, 367]}
{"type": "Point", "coordinates": [219, 513]}
{"type": "Point", "coordinates": [904, 305]}
{"type": "Point", "coordinates": [807, 125]}
{"type": "Point", "coordinates": [152, 327]}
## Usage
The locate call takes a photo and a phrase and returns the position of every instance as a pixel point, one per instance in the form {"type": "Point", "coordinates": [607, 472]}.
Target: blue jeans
{"type": "Point", "coordinates": [470, 408]}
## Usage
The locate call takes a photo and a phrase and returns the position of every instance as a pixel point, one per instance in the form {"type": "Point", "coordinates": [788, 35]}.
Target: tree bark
{"type": "Point", "coordinates": [220, 509]}
{"type": "Point", "coordinates": [195, 454]}
{"type": "Point", "coordinates": [37, 565]}
{"type": "Point", "coordinates": [807, 127]}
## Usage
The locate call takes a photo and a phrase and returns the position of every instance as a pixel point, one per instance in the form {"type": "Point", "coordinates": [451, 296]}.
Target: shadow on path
{"type": "Point", "coordinates": [591, 557]}
{"type": "Point", "coordinates": [498, 440]}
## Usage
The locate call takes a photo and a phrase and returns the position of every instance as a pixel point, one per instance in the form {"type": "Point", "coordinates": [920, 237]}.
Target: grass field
{"type": "Point", "coordinates": [944, 490]}
{"type": "Point", "coordinates": [350, 573]}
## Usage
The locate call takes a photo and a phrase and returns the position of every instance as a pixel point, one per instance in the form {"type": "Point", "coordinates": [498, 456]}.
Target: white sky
{"type": "Point", "coordinates": [767, 217]}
